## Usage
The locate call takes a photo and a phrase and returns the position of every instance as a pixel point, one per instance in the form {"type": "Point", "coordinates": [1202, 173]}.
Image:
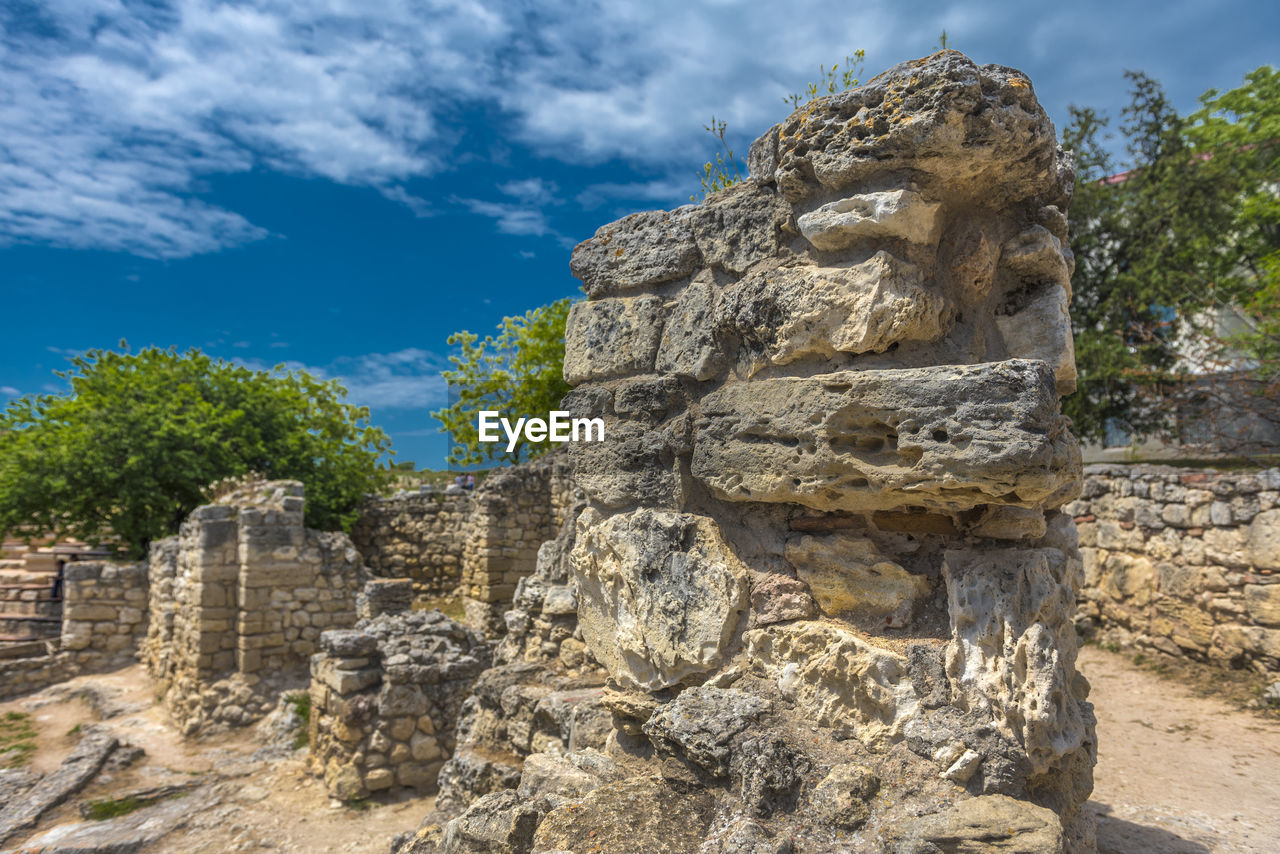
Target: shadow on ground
{"type": "Point", "coordinates": [1118, 836]}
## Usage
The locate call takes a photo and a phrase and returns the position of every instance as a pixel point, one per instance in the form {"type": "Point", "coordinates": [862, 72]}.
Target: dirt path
{"type": "Point", "coordinates": [237, 803]}
{"type": "Point", "coordinates": [1178, 773]}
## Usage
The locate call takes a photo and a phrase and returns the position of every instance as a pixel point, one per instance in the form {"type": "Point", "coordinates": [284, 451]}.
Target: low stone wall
{"type": "Point", "coordinates": [479, 544]}
{"type": "Point", "coordinates": [1182, 561]}
{"type": "Point", "coordinates": [420, 536]}
{"type": "Point", "coordinates": [103, 620]}
{"type": "Point", "coordinates": [385, 700]}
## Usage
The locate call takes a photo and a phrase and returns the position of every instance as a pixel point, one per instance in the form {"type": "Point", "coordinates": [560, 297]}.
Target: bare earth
{"type": "Point", "coordinates": [239, 804]}
{"type": "Point", "coordinates": [1177, 774]}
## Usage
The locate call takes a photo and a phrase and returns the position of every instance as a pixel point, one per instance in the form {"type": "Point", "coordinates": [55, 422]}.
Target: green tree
{"type": "Point", "coordinates": [127, 454]}
{"type": "Point", "coordinates": [1166, 250]}
{"type": "Point", "coordinates": [1237, 137]}
{"type": "Point", "coordinates": [519, 373]}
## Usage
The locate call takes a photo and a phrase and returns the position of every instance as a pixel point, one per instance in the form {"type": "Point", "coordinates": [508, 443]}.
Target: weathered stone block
{"type": "Point", "coordinates": [949, 438]}
{"type": "Point", "coordinates": [612, 338]}
{"type": "Point", "coordinates": [659, 594]}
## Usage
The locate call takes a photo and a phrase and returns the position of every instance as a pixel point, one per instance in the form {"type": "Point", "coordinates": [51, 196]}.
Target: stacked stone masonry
{"type": "Point", "coordinates": [417, 535]}
{"type": "Point", "coordinates": [1183, 561]}
{"type": "Point", "coordinates": [478, 545]}
{"type": "Point", "coordinates": [241, 596]}
{"type": "Point", "coordinates": [517, 509]}
{"type": "Point", "coordinates": [385, 700]}
{"type": "Point", "coordinates": [823, 555]}
{"type": "Point", "coordinates": [104, 617]}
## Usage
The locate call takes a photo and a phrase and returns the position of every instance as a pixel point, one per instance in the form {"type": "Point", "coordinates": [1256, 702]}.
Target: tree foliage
{"type": "Point", "coordinates": [127, 454]}
{"type": "Point", "coordinates": [1167, 249]}
{"type": "Point", "coordinates": [519, 373]}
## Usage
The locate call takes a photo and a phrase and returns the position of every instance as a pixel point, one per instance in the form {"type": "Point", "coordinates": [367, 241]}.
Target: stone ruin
{"type": "Point", "coordinates": [822, 561]}
{"type": "Point", "coordinates": [478, 544]}
{"type": "Point", "coordinates": [238, 600]}
{"type": "Point", "coordinates": [386, 694]}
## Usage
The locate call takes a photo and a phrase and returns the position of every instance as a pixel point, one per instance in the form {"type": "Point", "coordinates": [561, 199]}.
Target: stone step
{"type": "Point", "coordinates": [42, 607]}
{"type": "Point", "coordinates": [12, 647]}
{"type": "Point", "coordinates": [29, 625]}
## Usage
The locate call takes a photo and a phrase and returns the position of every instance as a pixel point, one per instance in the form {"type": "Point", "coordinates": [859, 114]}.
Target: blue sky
{"type": "Point", "coordinates": [339, 185]}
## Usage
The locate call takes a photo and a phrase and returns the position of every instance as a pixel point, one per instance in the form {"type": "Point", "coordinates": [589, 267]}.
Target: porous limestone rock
{"type": "Point", "coordinates": [613, 337]}
{"type": "Point", "coordinates": [823, 544]}
{"type": "Point", "coordinates": [837, 678]}
{"type": "Point", "coordinates": [642, 249]}
{"type": "Point", "coordinates": [948, 438]}
{"type": "Point", "coordinates": [785, 314]}
{"type": "Point", "coordinates": [888, 213]}
{"type": "Point", "coordinates": [848, 574]}
{"type": "Point", "coordinates": [660, 594]}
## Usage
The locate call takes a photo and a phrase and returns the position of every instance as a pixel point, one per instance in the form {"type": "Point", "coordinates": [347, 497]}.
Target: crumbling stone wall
{"type": "Point", "coordinates": [103, 621]}
{"type": "Point", "coordinates": [386, 697]}
{"type": "Point", "coordinates": [517, 509]}
{"type": "Point", "coordinates": [1183, 561]}
{"type": "Point", "coordinates": [419, 535]}
{"type": "Point", "coordinates": [478, 544]}
{"type": "Point", "coordinates": [251, 590]}
{"type": "Point", "coordinates": [824, 558]}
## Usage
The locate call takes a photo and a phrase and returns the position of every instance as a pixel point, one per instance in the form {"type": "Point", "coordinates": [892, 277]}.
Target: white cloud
{"type": "Point", "coordinates": [406, 379]}
{"type": "Point", "coordinates": [511, 217]}
{"type": "Point", "coordinates": [113, 113]}
{"type": "Point", "coordinates": [10, 390]}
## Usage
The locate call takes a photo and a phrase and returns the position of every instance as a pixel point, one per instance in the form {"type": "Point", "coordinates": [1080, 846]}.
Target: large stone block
{"type": "Point", "coordinates": [948, 438]}
{"type": "Point", "coordinates": [1013, 646]}
{"type": "Point", "coordinates": [888, 213]}
{"type": "Point", "coordinates": [638, 250]}
{"type": "Point", "coordinates": [1264, 540]}
{"type": "Point", "coordinates": [790, 313]}
{"type": "Point", "coordinates": [660, 594]}
{"type": "Point", "coordinates": [611, 338]}
{"type": "Point", "coordinates": [969, 127]}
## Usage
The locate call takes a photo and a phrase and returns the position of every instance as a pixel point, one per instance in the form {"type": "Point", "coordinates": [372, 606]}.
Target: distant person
{"type": "Point", "coordinates": [470, 482]}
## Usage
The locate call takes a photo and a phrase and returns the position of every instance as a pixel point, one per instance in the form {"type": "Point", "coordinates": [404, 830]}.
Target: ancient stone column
{"type": "Point", "coordinates": [824, 562]}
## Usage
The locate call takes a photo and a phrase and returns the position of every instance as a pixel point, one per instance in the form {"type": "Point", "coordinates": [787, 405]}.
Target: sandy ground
{"type": "Point", "coordinates": [1177, 774]}
{"type": "Point", "coordinates": [238, 803]}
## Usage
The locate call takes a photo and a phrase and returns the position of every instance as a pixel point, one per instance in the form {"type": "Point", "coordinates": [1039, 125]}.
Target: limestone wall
{"type": "Point", "coordinates": [516, 510]}
{"type": "Point", "coordinates": [1183, 561]}
{"type": "Point", "coordinates": [385, 700]}
{"type": "Point", "coordinates": [242, 597]}
{"type": "Point", "coordinates": [103, 620]}
{"type": "Point", "coordinates": [418, 535]}
{"type": "Point", "coordinates": [823, 551]}
{"type": "Point", "coordinates": [478, 544]}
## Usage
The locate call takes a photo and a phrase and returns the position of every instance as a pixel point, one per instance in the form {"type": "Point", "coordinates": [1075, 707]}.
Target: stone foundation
{"type": "Point", "coordinates": [1183, 561]}
{"type": "Point", "coordinates": [385, 700]}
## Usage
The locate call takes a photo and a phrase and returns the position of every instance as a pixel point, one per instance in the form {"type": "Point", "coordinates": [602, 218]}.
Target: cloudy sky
{"type": "Point", "coordinates": [339, 185]}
